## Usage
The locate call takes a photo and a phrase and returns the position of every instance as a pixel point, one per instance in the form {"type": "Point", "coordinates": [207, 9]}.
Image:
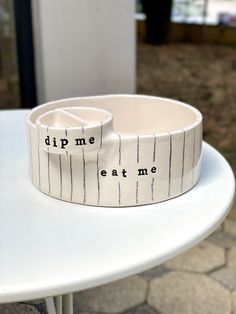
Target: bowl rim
{"type": "Point", "coordinates": [107, 121]}
{"type": "Point", "coordinates": [194, 124]}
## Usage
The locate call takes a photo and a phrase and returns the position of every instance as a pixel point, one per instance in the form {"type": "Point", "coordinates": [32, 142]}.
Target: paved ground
{"type": "Point", "coordinates": [202, 280]}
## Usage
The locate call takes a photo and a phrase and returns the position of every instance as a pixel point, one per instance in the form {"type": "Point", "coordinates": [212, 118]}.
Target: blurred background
{"type": "Point", "coordinates": [9, 76]}
{"type": "Point", "coordinates": [190, 55]}
{"type": "Point", "coordinates": [181, 49]}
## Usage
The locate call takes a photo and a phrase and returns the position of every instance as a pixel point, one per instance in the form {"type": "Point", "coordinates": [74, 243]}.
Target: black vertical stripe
{"type": "Point", "coordinates": [101, 135]}
{"type": "Point", "coordinates": [152, 188]}
{"type": "Point", "coordinates": [136, 192]}
{"type": "Point", "coordinates": [194, 135]}
{"type": "Point", "coordinates": [137, 149]}
{"type": "Point", "coordinates": [39, 170]}
{"type": "Point", "coordinates": [119, 193]}
{"type": "Point", "coordinates": [154, 148]}
{"type": "Point", "coordinates": [60, 168]}
{"type": "Point", "coordinates": [84, 177]}
{"type": "Point", "coordinates": [119, 149]}
{"type": "Point", "coordinates": [170, 164]}
{"type": "Point", "coordinates": [66, 133]}
{"type": "Point", "coordinates": [98, 181]}
{"type": "Point", "coordinates": [49, 180]}
{"type": "Point", "coordinates": [183, 160]}
{"type": "Point", "coordinates": [71, 179]}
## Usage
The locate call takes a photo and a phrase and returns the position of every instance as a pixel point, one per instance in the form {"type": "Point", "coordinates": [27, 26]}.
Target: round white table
{"type": "Point", "coordinates": [49, 247]}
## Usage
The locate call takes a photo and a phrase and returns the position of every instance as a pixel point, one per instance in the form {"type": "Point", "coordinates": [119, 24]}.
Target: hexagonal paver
{"type": "Point", "coordinates": [202, 258]}
{"type": "Point", "coordinates": [18, 308]}
{"type": "Point", "coordinates": [230, 226]}
{"type": "Point", "coordinates": [226, 276]}
{"type": "Point", "coordinates": [154, 272]}
{"type": "Point", "coordinates": [231, 258]}
{"type": "Point", "coordinates": [186, 293]}
{"type": "Point", "coordinates": [116, 297]}
{"type": "Point", "coordinates": [223, 239]}
{"type": "Point", "coordinates": [142, 309]}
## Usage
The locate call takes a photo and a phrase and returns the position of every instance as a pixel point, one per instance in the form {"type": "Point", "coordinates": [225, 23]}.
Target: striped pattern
{"type": "Point", "coordinates": [60, 169]}
{"type": "Point", "coordinates": [170, 164]}
{"type": "Point", "coordinates": [39, 162]}
{"type": "Point", "coordinates": [71, 180]}
{"type": "Point", "coordinates": [137, 192]}
{"type": "Point", "coordinates": [137, 149]}
{"type": "Point", "coordinates": [152, 189]}
{"type": "Point", "coordinates": [98, 179]}
{"type": "Point", "coordinates": [119, 149]}
{"type": "Point", "coordinates": [73, 184]}
{"type": "Point", "coordinates": [183, 159]}
{"type": "Point", "coordinates": [154, 148]}
{"type": "Point", "coordinates": [119, 194]}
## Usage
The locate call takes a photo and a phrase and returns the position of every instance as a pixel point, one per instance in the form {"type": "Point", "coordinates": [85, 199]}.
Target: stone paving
{"type": "Point", "coordinates": [203, 279]}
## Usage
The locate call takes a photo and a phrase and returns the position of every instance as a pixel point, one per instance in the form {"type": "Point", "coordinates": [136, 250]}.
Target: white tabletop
{"type": "Point", "coordinates": [50, 247]}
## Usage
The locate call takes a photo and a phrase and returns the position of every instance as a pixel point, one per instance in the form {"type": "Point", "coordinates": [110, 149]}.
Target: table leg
{"type": "Point", "coordinates": [67, 304]}
{"type": "Point", "coordinates": [59, 304]}
{"type": "Point", "coordinates": [50, 305]}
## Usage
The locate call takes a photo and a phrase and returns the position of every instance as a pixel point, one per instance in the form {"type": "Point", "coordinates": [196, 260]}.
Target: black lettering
{"type": "Point", "coordinates": [142, 172]}
{"type": "Point", "coordinates": [92, 140]}
{"type": "Point", "coordinates": [47, 140]}
{"type": "Point", "coordinates": [154, 170]}
{"type": "Point", "coordinates": [124, 172]}
{"type": "Point", "coordinates": [114, 172]}
{"type": "Point", "coordinates": [80, 141]}
{"type": "Point", "coordinates": [103, 173]}
{"type": "Point", "coordinates": [64, 142]}
{"type": "Point", "coordinates": [54, 142]}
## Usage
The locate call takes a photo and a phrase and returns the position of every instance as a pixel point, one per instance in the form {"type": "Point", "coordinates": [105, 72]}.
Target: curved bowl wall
{"type": "Point", "coordinates": [115, 150]}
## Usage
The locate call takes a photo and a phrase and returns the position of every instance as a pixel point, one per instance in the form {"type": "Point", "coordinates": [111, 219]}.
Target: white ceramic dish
{"type": "Point", "coordinates": [114, 150]}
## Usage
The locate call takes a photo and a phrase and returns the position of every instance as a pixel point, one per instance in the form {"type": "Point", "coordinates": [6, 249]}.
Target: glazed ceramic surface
{"type": "Point", "coordinates": [117, 150]}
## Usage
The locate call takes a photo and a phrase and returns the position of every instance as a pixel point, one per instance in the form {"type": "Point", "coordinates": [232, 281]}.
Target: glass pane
{"type": "Point", "coordinates": [204, 11]}
{"type": "Point", "coordinates": [188, 11]}
{"type": "Point", "coordinates": [9, 77]}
